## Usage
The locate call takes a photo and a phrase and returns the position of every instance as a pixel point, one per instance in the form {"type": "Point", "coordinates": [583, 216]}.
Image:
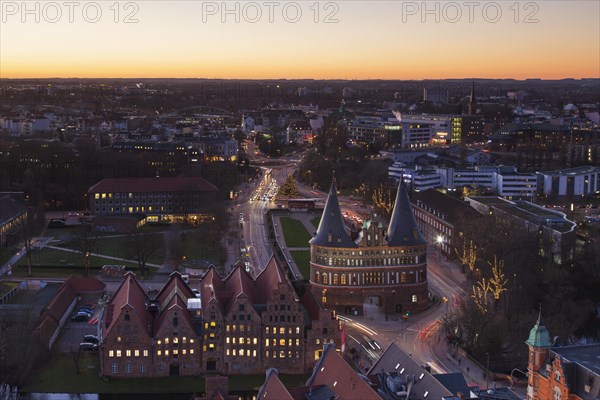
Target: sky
{"type": "Point", "coordinates": [347, 39]}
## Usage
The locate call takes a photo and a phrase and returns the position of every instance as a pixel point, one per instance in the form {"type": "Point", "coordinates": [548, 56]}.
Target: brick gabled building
{"type": "Point", "coordinates": [561, 372]}
{"type": "Point", "coordinates": [238, 325]}
{"type": "Point", "coordinates": [254, 324]}
{"type": "Point", "coordinates": [144, 337]}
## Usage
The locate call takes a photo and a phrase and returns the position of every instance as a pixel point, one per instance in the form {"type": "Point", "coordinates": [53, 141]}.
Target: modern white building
{"type": "Point", "coordinates": [579, 181]}
{"type": "Point", "coordinates": [515, 184]}
{"type": "Point", "coordinates": [450, 125]}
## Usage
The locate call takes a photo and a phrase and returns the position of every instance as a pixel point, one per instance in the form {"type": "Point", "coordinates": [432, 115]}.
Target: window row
{"type": "Point", "coordinates": [128, 353]}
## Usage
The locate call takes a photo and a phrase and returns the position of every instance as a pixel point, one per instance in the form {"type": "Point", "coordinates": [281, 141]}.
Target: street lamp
{"type": "Point", "coordinates": [446, 301]}
{"type": "Point", "coordinates": [487, 375]}
{"type": "Point", "coordinates": [439, 239]}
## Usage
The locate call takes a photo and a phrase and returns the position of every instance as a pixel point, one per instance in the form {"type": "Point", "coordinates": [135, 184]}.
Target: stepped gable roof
{"type": "Point", "coordinates": [129, 295]}
{"type": "Point", "coordinates": [160, 184]}
{"type": "Point", "coordinates": [268, 280]}
{"type": "Point", "coordinates": [273, 388]}
{"type": "Point", "coordinates": [332, 230]}
{"type": "Point", "coordinates": [341, 378]}
{"type": "Point", "coordinates": [403, 230]}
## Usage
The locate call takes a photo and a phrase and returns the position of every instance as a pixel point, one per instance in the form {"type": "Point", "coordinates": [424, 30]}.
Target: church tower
{"type": "Point", "coordinates": [539, 345]}
{"type": "Point", "coordinates": [472, 105]}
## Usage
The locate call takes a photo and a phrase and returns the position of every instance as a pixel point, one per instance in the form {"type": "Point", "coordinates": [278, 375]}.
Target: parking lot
{"type": "Point", "coordinates": [73, 332]}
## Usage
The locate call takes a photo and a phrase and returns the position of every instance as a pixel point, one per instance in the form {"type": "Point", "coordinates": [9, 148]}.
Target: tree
{"type": "Point", "coordinates": [497, 282]}
{"type": "Point", "coordinates": [140, 247]}
{"type": "Point", "coordinates": [86, 244]}
{"type": "Point", "coordinates": [383, 201]}
{"type": "Point", "coordinates": [468, 255]}
{"type": "Point", "coordinates": [289, 188]}
{"type": "Point", "coordinates": [27, 229]}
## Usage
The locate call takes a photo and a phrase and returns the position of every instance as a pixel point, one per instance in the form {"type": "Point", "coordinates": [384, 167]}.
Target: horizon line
{"type": "Point", "coordinates": [302, 79]}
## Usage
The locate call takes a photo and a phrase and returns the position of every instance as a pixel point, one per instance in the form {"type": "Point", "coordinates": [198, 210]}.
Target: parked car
{"type": "Point", "coordinates": [88, 346]}
{"type": "Point", "coordinates": [86, 313]}
{"type": "Point", "coordinates": [86, 310]}
{"type": "Point", "coordinates": [91, 339]}
{"type": "Point", "coordinates": [80, 318]}
{"type": "Point", "coordinates": [196, 292]}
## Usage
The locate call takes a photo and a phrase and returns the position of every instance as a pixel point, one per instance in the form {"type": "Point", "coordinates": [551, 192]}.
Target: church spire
{"type": "Point", "coordinates": [539, 335]}
{"type": "Point", "coordinates": [403, 230]}
{"type": "Point", "coordinates": [471, 107]}
{"type": "Point", "coordinates": [332, 230]}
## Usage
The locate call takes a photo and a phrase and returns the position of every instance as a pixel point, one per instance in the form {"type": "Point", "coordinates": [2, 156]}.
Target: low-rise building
{"type": "Point", "coordinates": [13, 214]}
{"type": "Point", "coordinates": [570, 182]}
{"type": "Point", "coordinates": [184, 199]}
{"type": "Point", "coordinates": [440, 218]}
{"type": "Point", "coordinates": [556, 232]}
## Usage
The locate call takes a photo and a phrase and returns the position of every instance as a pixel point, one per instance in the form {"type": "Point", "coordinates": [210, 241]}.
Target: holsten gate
{"type": "Point", "coordinates": [388, 267]}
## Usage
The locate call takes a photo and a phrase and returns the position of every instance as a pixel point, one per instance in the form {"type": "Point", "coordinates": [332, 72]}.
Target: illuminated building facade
{"type": "Point", "coordinates": [385, 267]}
{"type": "Point", "coordinates": [176, 199]}
{"type": "Point", "coordinates": [237, 325]}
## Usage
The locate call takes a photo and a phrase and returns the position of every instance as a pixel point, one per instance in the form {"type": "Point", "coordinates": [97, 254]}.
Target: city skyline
{"type": "Point", "coordinates": [349, 40]}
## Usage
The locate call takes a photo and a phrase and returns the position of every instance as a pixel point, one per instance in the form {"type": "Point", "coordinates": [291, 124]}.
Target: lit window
{"type": "Point", "coordinates": [267, 329]}
{"type": "Point", "coordinates": [211, 345]}
{"type": "Point", "coordinates": [414, 298]}
{"type": "Point", "coordinates": [118, 339]}
{"type": "Point", "coordinates": [159, 342]}
{"type": "Point", "coordinates": [282, 342]}
{"type": "Point", "coordinates": [266, 342]}
{"type": "Point", "coordinates": [184, 340]}
{"type": "Point", "coordinates": [282, 331]}
{"type": "Point", "coordinates": [255, 341]}
{"type": "Point", "coordinates": [227, 340]}
{"type": "Point", "coordinates": [127, 353]}
{"type": "Point", "coordinates": [234, 352]}
{"type": "Point", "coordinates": [166, 340]}
{"type": "Point", "coordinates": [213, 324]}
{"type": "Point", "coordinates": [175, 352]}
{"type": "Point", "coordinates": [192, 341]}
{"type": "Point", "coordinates": [118, 353]}
{"type": "Point", "coordinates": [136, 353]}
{"type": "Point", "coordinates": [111, 353]}
{"type": "Point", "coordinates": [241, 352]}
{"type": "Point", "coordinates": [145, 353]}
{"type": "Point", "coordinates": [175, 340]}
{"type": "Point", "coordinates": [253, 353]}
{"type": "Point", "coordinates": [227, 352]}
{"type": "Point", "coordinates": [166, 353]}
{"type": "Point", "coordinates": [159, 353]}
{"type": "Point", "coordinates": [241, 340]}
{"type": "Point", "coordinates": [227, 328]}
{"type": "Point", "coordinates": [184, 352]}
{"type": "Point", "coordinates": [297, 330]}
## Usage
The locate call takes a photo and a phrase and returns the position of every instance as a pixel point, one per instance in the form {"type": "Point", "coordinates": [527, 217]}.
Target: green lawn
{"type": "Point", "coordinates": [316, 221]}
{"type": "Point", "coordinates": [6, 254]}
{"type": "Point", "coordinates": [6, 287]}
{"type": "Point", "coordinates": [200, 246]}
{"type": "Point", "coordinates": [302, 259]}
{"type": "Point", "coordinates": [114, 247]}
{"type": "Point", "coordinates": [59, 375]}
{"type": "Point", "coordinates": [295, 233]}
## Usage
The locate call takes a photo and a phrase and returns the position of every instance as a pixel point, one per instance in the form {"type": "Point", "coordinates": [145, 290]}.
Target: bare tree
{"type": "Point", "coordinates": [498, 281]}
{"type": "Point", "coordinates": [27, 230]}
{"type": "Point", "coordinates": [85, 243]}
{"type": "Point", "coordinates": [140, 247]}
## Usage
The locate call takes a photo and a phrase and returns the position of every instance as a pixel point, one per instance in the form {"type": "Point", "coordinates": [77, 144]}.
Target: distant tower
{"type": "Point", "coordinates": [472, 106]}
{"type": "Point", "coordinates": [539, 345]}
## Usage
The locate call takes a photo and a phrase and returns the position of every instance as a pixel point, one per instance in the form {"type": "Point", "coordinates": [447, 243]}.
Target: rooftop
{"type": "Point", "coordinates": [587, 356]}
{"type": "Point", "coordinates": [572, 171]}
{"type": "Point", "coordinates": [159, 184]}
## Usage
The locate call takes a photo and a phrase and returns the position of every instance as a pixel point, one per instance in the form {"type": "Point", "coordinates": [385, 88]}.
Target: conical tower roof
{"type": "Point", "coordinates": [332, 231]}
{"type": "Point", "coordinates": [539, 335]}
{"type": "Point", "coordinates": [403, 230]}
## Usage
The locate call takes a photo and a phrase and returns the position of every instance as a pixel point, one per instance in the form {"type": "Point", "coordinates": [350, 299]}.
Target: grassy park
{"type": "Point", "coordinates": [295, 233]}
{"type": "Point", "coordinates": [302, 259]}
{"type": "Point", "coordinates": [59, 375]}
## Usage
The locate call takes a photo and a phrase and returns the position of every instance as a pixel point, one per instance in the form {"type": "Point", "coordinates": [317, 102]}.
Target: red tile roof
{"type": "Point", "coordinates": [240, 284]}
{"type": "Point", "coordinates": [136, 185]}
{"type": "Point", "coordinates": [273, 388]}
{"type": "Point", "coordinates": [86, 285]}
{"type": "Point", "coordinates": [333, 371]}
{"type": "Point", "coordinates": [131, 294]}
{"type": "Point", "coordinates": [268, 280]}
